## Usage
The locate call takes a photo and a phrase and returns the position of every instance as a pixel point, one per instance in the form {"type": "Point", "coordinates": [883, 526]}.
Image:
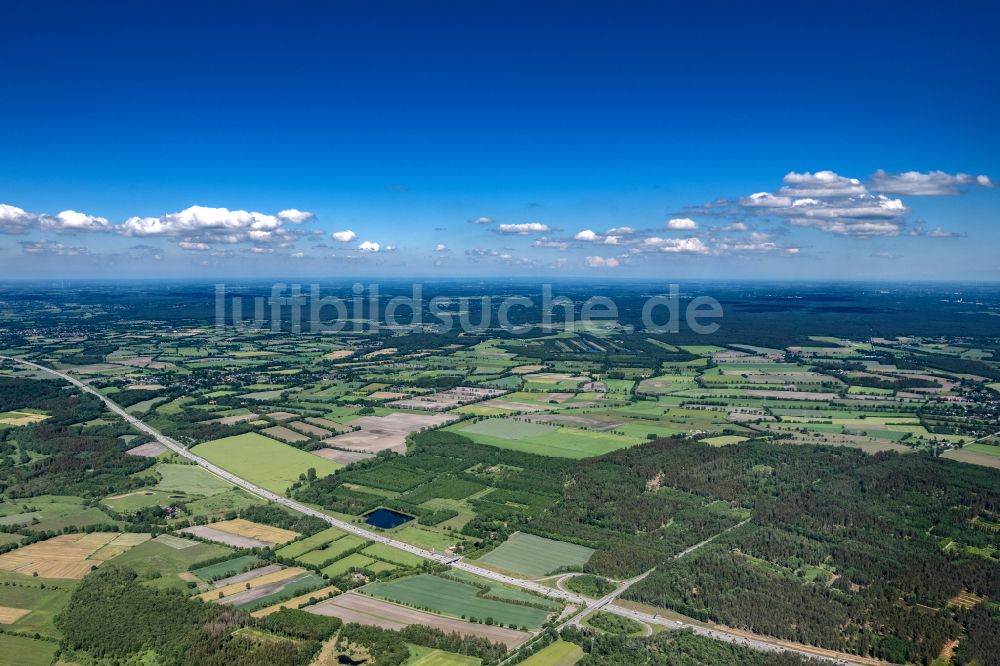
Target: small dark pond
{"type": "Point", "coordinates": [344, 659]}
{"type": "Point", "coordinates": [387, 518]}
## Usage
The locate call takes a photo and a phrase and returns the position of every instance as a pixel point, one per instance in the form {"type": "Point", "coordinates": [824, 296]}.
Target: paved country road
{"type": "Point", "coordinates": [605, 603]}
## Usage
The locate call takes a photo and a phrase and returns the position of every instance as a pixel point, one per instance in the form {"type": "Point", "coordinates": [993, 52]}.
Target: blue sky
{"type": "Point", "coordinates": [142, 141]}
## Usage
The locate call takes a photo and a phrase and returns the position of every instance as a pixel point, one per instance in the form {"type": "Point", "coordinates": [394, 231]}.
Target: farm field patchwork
{"type": "Point", "coordinates": [69, 555]}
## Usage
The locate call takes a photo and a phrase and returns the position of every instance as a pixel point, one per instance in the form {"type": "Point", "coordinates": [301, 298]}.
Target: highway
{"type": "Point", "coordinates": [590, 605]}
{"type": "Point", "coordinates": [178, 448]}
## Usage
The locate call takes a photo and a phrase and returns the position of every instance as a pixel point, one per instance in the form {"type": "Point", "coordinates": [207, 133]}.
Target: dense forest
{"type": "Point", "coordinates": [846, 547]}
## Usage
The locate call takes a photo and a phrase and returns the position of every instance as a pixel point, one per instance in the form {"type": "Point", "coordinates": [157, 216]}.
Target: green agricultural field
{"type": "Point", "coordinates": [190, 479]}
{"type": "Point", "coordinates": [724, 440]}
{"type": "Point", "coordinates": [156, 558]}
{"type": "Point", "coordinates": [225, 568]}
{"type": "Point", "coordinates": [223, 503]}
{"type": "Point", "coordinates": [54, 513]}
{"type": "Point", "coordinates": [343, 565]}
{"type": "Point", "coordinates": [331, 551]}
{"type": "Point", "coordinates": [264, 461]}
{"type": "Point", "coordinates": [983, 448]}
{"type": "Point", "coordinates": [300, 585]}
{"type": "Point", "coordinates": [303, 546]}
{"type": "Point", "coordinates": [508, 429]}
{"type": "Point", "coordinates": [394, 555]}
{"type": "Point", "coordinates": [136, 500]}
{"type": "Point", "coordinates": [559, 653]}
{"type": "Point", "coordinates": [45, 600]}
{"type": "Point", "coordinates": [546, 440]}
{"type": "Point", "coordinates": [418, 535]}
{"type": "Point", "coordinates": [455, 599]}
{"type": "Point", "coordinates": [425, 656]}
{"type": "Point", "coordinates": [536, 556]}
{"type": "Point", "coordinates": [21, 651]}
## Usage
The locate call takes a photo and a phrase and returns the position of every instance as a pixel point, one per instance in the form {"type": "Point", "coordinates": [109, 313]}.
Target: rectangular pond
{"type": "Point", "coordinates": [387, 519]}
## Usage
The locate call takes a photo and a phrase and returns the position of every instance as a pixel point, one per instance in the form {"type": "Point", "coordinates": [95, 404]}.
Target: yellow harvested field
{"type": "Point", "coordinates": [10, 615]}
{"type": "Point", "coordinates": [340, 353]}
{"type": "Point", "coordinates": [526, 369]}
{"type": "Point", "coordinates": [246, 528]}
{"type": "Point", "coordinates": [266, 579]}
{"type": "Point", "coordinates": [387, 395]}
{"type": "Point", "coordinates": [388, 351]}
{"type": "Point", "coordinates": [296, 602]}
{"type": "Point", "coordinates": [68, 555]}
{"type": "Point", "coordinates": [21, 418]}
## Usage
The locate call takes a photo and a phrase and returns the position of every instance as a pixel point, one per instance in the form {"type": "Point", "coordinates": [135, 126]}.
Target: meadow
{"type": "Point", "coordinates": [449, 597]}
{"type": "Point", "coordinates": [263, 461]}
{"type": "Point", "coordinates": [536, 556]}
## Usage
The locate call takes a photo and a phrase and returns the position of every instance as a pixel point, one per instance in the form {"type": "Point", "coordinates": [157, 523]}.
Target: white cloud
{"type": "Point", "coordinates": [830, 203]}
{"type": "Point", "coordinates": [440, 247]}
{"type": "Point", "coordinates": [932, 183]}
{"type": "Point", "coordinates": [192, 246]}
{"type": "Point", "coordinates": [601, 262]}
{"type": "Point", "coordinates": [482, 220]}
{"type": "Point", "coordinates": [691, 245]}
{"type": "Point", "coordinates": [820, 184]}
{"type": "Point", "coordinates": [592, 236]}
{"type": "Point", "coordinates": [503, 256]}
{"type": "Point", "coordinates": [295, 216]}
{"type": "Point", "coordinates": [862, 216]}
{"type": "Point", "coordinates": [682, 224]}
{"type": "Point", "coordinates": [52, 248]}
{"type": "Point", "coordinates": [550, 243]}
{"type": "Point", "coordinates": [756, 243]}
{"type": "Point", "coordinates": [198, 219]}
{"type": "Point", "coordinates": [856, 229]}
{"type": "Point", "coordinates": [298, 255]}
{"type": "Point", "coordinates": [345, 236]}
{"type": "Point", "coordinates": [369, 246]}
{"type": "Point", "coordinates": [938, 232]}
{"type": "Point", "coordinates": [621, 231]}
{"type": "Point", "coordinates": [523, 228]}
{"type": "Point", "coordinates": [736, 226]}
{"type": "Point", "coordinates": [14, 220]}
{"type": "Point", "coordinates": [71, 222]}
{"type": "Point", "coordinates": [765, 200]}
